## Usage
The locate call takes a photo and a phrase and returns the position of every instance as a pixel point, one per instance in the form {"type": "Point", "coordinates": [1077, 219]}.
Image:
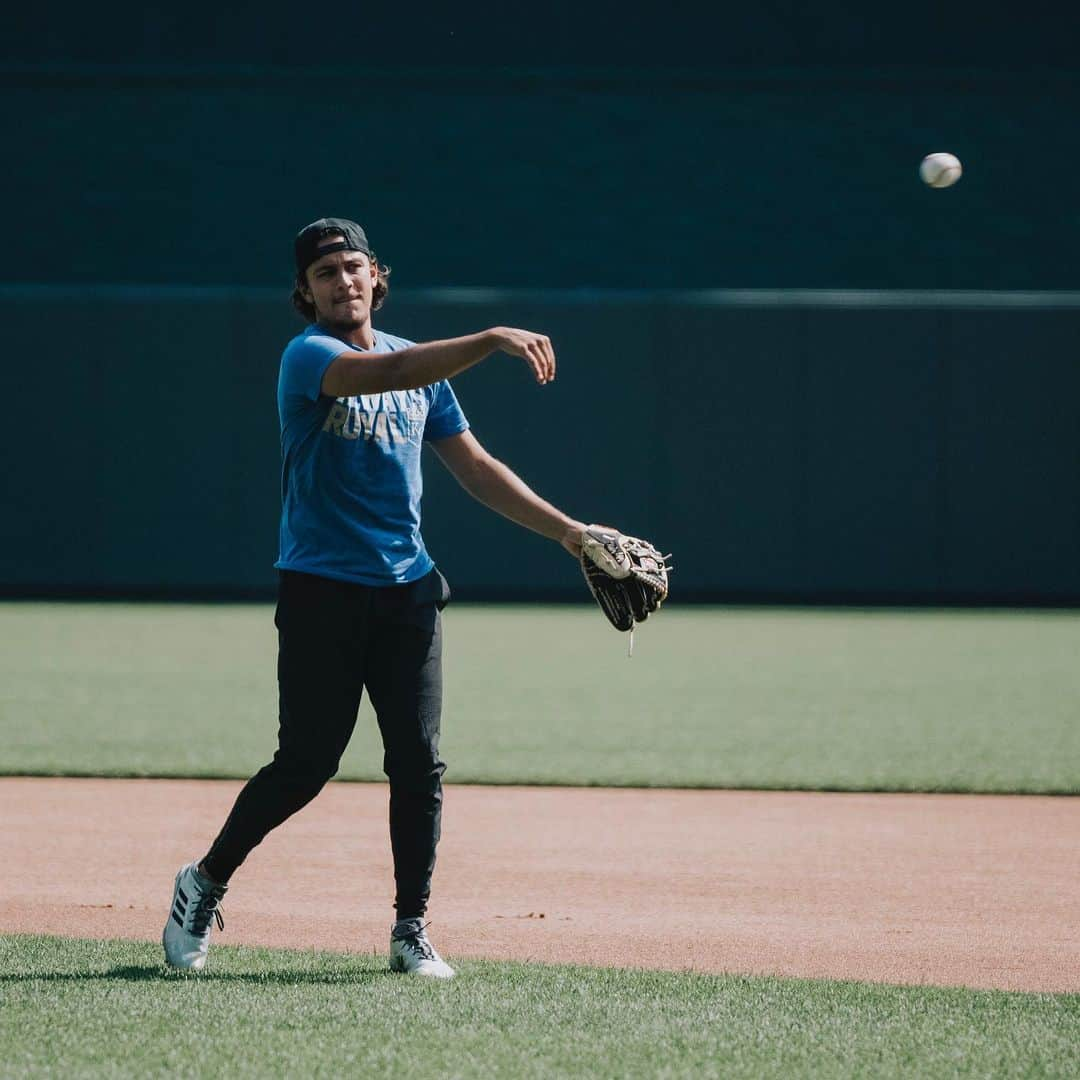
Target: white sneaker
{"type": "Point", "coordinates": [186, 936]}
{"type": "Point", "coordinates": [413, 954]}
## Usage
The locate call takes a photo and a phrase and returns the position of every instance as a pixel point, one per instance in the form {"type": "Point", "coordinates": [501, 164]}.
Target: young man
{"type": "Point", "coordinates": [359, 597]}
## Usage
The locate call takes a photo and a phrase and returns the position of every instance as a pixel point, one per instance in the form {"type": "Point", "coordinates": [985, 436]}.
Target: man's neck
{"type": "Point", "coordinates": [362, 336]}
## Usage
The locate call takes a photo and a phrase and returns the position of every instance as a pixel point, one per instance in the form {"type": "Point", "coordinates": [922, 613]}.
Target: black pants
{"type": "Point", "coordinates": [335, 639]}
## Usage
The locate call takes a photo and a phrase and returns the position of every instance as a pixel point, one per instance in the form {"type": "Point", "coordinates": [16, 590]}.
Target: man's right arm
{"type": "Point", "coordinates": [354, 373]}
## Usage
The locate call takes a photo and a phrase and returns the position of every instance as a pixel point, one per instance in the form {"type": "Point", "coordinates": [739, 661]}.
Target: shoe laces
{"type": "Point", "coordinates": [418, 942]}
{"type": "Point", "coordinates": [206, 908]}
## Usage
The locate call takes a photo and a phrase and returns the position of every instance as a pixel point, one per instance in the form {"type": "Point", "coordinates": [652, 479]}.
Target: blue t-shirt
{"type": "Point", "coordinates": [350, 476]}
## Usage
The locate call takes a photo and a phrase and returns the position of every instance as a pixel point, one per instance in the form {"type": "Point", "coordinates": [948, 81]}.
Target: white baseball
{"type": "Point", "coordinates": [940, 170]}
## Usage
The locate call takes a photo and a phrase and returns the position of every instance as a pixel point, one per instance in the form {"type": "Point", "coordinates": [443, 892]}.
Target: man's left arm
{"type": "Point", "coordinates": [497, 486]}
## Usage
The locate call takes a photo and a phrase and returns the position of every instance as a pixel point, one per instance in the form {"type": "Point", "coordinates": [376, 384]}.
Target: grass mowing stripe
{"type": "Point", "coordinates": [713, 697]}
{"type": "Point", "coordinates": [111, 1009]}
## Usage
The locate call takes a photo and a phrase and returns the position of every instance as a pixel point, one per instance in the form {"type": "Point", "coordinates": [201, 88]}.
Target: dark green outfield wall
{"type": "Point", "coordinates": [586, 167]}
{"type": "Point", "coordinates": [715, 179]}
{"type": "Point", "coordinates": [794, 446]}
{"type": "Point", "coordinates": [772, 145]}
{"type": "Point", "coordinates": [833, 34]}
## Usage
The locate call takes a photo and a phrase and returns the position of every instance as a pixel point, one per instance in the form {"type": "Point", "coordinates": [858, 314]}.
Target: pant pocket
{"type": "Point", "coordinates": [444, 590]}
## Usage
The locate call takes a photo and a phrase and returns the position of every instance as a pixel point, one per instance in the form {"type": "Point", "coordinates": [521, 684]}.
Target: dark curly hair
{"type": "Point", "coordinates": [379, 292]}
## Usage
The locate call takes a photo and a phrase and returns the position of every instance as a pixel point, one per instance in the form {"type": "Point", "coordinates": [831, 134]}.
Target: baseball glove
{"type": "Point", "coordinates": [628, 577]}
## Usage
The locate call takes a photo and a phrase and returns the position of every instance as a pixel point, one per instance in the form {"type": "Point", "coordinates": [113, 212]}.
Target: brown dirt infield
{"type": "Point", "coordinates": [964, 890]}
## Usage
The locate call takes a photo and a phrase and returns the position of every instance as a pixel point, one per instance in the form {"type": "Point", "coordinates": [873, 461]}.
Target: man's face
{"type": "Point", "coordinates": [340, 287]}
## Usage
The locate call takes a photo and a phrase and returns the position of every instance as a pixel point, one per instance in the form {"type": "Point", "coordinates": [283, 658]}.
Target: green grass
{"type": "Point", "coordinates": [840, 699]}
{"type": "Point", "coordinates": [89, 1008]}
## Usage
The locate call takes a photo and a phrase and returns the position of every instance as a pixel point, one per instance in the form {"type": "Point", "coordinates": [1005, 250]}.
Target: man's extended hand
{"type": "Point", "coordinates": [534, 349]}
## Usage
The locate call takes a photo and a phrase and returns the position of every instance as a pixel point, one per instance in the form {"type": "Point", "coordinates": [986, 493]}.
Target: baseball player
{"type": "Point", "coordinates": [359, 595]}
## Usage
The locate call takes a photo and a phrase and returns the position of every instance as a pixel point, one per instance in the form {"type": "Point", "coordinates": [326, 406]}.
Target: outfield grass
{"type": "Point", "coordinates": [110, 1008]}
{"type": "Point", "coordinates": [835, 699]}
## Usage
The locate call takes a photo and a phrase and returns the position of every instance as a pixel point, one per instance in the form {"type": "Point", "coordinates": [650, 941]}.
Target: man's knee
{"type": "Point", "coordinates": [421, 771]}
{"type": "Point", "coordinates": [302, 769]}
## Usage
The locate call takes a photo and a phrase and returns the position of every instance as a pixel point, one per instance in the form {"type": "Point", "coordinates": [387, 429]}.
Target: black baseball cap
{"type": "Point", "coordinates": [308, 240]}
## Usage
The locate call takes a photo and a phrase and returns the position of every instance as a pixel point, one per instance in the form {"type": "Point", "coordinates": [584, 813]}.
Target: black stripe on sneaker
{"type": "Point", "coordinates": [180, 892]}
{"type": "Point", "coordinates": [179, 922]}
